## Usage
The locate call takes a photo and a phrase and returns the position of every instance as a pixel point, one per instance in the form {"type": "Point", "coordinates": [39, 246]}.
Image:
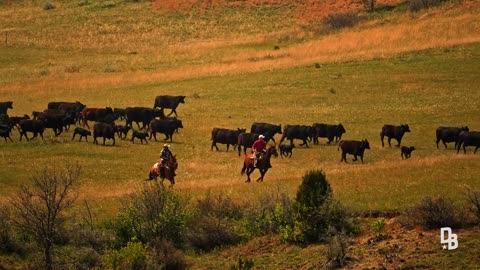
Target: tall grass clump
{"type": "Point", "coordinates": [342, 20]}
{"type": "Point", "coordinates": [417, 5]}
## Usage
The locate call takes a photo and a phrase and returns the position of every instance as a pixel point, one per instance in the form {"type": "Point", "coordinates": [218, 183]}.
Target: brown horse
{"type": "Point", "coordinates": [262, 164]}
{"type": "Point", "coordinates": [169, 171]}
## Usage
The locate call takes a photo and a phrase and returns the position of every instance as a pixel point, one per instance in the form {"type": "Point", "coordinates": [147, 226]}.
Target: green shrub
{"type": "Point", "coordinates": [133, 256]}
{"type": "Point", "coordinates": [155, 213]}
{"type": "Point", "coordinates": [311, 196]}
{"type": "Point", "coordinates": [377, 227]}
{"type": "Point", "coordinates": [269, 213]}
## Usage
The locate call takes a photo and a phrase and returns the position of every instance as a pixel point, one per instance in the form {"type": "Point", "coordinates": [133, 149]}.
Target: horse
{"type": "Point", "coordinates": [262, 164]}
{"type": "Point", "coordinates": [169, 171]}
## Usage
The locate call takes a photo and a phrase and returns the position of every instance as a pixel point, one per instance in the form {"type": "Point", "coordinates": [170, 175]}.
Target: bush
{"type": "Point", "coordinates": [8, 243]}
{"type": "Point", "coordinates": [246, 264]}
{"type": "Point", "coordinates": [166, 256]}
{"type": "Point", "coordinates": [337, 252]}
{"type": "Point", "coordinates": [155, 213]}
{"type": "Point", "coordinates": [377, 227]}
{"type": "Point", "coordinates": [133, 256]}
{"type": "Point", "coordinates": [48, 6]}
{"type": "Point", "coordinates": [338, 21]}
{"type": "Point", "coordinates": [311, 196]}
{"type": "Point", "coordinates": [434, 213]}
{"type": "Point", "coordinates": [215, 223]}
{"type": "Point", "coordinates": [473, 197]}
{"type": "Point", "coordinates": [270, 213]}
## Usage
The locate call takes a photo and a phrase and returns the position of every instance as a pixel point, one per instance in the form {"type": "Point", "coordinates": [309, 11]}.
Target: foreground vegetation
{"type": "Point", "coordinates": [393, 68]}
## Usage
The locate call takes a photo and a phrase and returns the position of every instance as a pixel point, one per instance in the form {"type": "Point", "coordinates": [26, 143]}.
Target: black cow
{"type": "Point", "coordinates": [72, 108]}
{"type": "Point", "coordinates": [328, 131]}
{"type": "Point", "coordinates": [14, 120]}
{"type": "Point", "coordinates": [104, 115]}
{"type": "Point", "coordinates": [286, 150]}
{"type": "Point", "coordinates": [55, 121]}
{"type": "Point", "coordinates": [300, 132]}
{"type": "Point", "coordinates": [143, 115]}
{"type": "Point", "coordinates": [122, 130]}
{"type": "Point", "coordinates": [225, 136]}
{"type": "Point", "coordinates": [449, 134]}
{"type": "Point", "coordinates": [266, 129]}
{"type": "Point", "coordinates": [468, 138]}
{"type": "Point", "coordinates": [169, 102]}
{"type": "Point", "coordinates": [120, 113]}
{"type": "Point", "coordinates": [406, 151]}
{"type": "Point", "coordinates": [166, 127]}
{"type": "Point", "coordinates": [34, 126]}
{"type": "Point", "coordinates": [105, 131]}
{"type": "Point", "coordinates": [139, 135]}
{"type": "Point", "coordinates": [5, 132]}
{"type": "Point", "coordinates": [355, 148]}
{"type": "Point", "coordinates": [395, 132]}
{"type": "Point", "coordinates": [82, 132]}
{"type": "Point", "coordinates": [4, 106]}
{"type": "Point", "coordinates": [246, 140]}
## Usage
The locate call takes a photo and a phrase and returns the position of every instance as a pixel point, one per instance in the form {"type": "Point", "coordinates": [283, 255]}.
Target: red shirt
{"type": "Point", "coordinates": [259, 145]}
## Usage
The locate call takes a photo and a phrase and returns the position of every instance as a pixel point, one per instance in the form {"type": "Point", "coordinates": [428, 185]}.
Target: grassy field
{"type": "Point", "coordinates": [420, 69]}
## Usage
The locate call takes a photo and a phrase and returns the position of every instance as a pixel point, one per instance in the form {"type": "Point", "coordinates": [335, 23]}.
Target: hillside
{"type": "Point", "coordinates": [239, 62]}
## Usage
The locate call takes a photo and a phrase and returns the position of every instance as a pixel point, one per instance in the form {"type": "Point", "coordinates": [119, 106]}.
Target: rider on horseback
{"type": "Point", "coordinates": [258, 148]}
{"type": "Point", "coordinates": [165, 156]}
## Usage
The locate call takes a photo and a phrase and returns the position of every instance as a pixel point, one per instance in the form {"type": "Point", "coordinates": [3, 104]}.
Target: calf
{"type": "Point", "coordinates": [395, 132]}
{"type": "Point", "coordinates": [5, 132]}
{"type": "Point", "coordinates": [122, 130]}
{"type": "Point", "coordinates": [355, 148]}
{"type": "Point", "coordinates": [104, 130]}
{"type": "Point", "coordinates": [82, 132]}
{"type": "Point", "coordinates": [468, 138]}
{"type": "Point", "coordinates": [406, 151]}
{"type": "Point", "coordinates": [140, 135]}
{"type": "Point", "coordinates": [14, 120]}
{"type": "Point", "coordinates": [449, 134]}
{"type": "Point", "coordinates": [286, 149]}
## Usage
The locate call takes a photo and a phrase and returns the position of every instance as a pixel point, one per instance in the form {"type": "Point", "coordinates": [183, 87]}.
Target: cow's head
{"type": "Point", "coordinates": [181, 99]}
{"type": "Point", "coordinates": [278, 129]}
{"type": "Point", "coordinates": [341, 129]}
{"type": "Point", "coordinates": [158, 112]}
{"type": "Point", "coordinates": [465, 128]}
{"type": "Point", "coordinates": [365, 144]}
{"type": "Point", "coordinates": [406, 128]}
{"type": "Point", "coordinates": [241, 130]}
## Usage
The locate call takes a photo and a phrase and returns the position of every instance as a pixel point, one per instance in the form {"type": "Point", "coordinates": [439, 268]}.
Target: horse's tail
{"type": "Point", "coordinates": [242, 172]}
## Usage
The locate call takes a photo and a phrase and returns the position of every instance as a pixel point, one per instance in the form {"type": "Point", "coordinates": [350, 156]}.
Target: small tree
{"type": "Point", "coordinates": [40, 207]}
{"type": "Point", "coordinates": [311, 196]}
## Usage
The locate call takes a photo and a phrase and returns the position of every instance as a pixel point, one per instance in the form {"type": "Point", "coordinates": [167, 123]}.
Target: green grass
{"type": "Point", "coordinates": [424, 89]}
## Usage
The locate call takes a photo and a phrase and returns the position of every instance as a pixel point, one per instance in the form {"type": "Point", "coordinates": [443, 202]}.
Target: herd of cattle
{"type": "Point", "coordinates": [59, 116]}
{"type": "Point", "coordinates": [239, 138]}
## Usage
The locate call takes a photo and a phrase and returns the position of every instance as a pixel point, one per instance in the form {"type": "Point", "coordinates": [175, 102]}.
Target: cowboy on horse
{"type": "Point", "coordinates": [165, 156]}
{"type": "Point", "coordinates": [259, 147]}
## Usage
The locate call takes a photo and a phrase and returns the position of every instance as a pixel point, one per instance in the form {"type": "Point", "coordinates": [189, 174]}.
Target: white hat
{"type": "Point", "coordinates": [166, 145]}
{"type": "Point", "coordinates": [261, 137]}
